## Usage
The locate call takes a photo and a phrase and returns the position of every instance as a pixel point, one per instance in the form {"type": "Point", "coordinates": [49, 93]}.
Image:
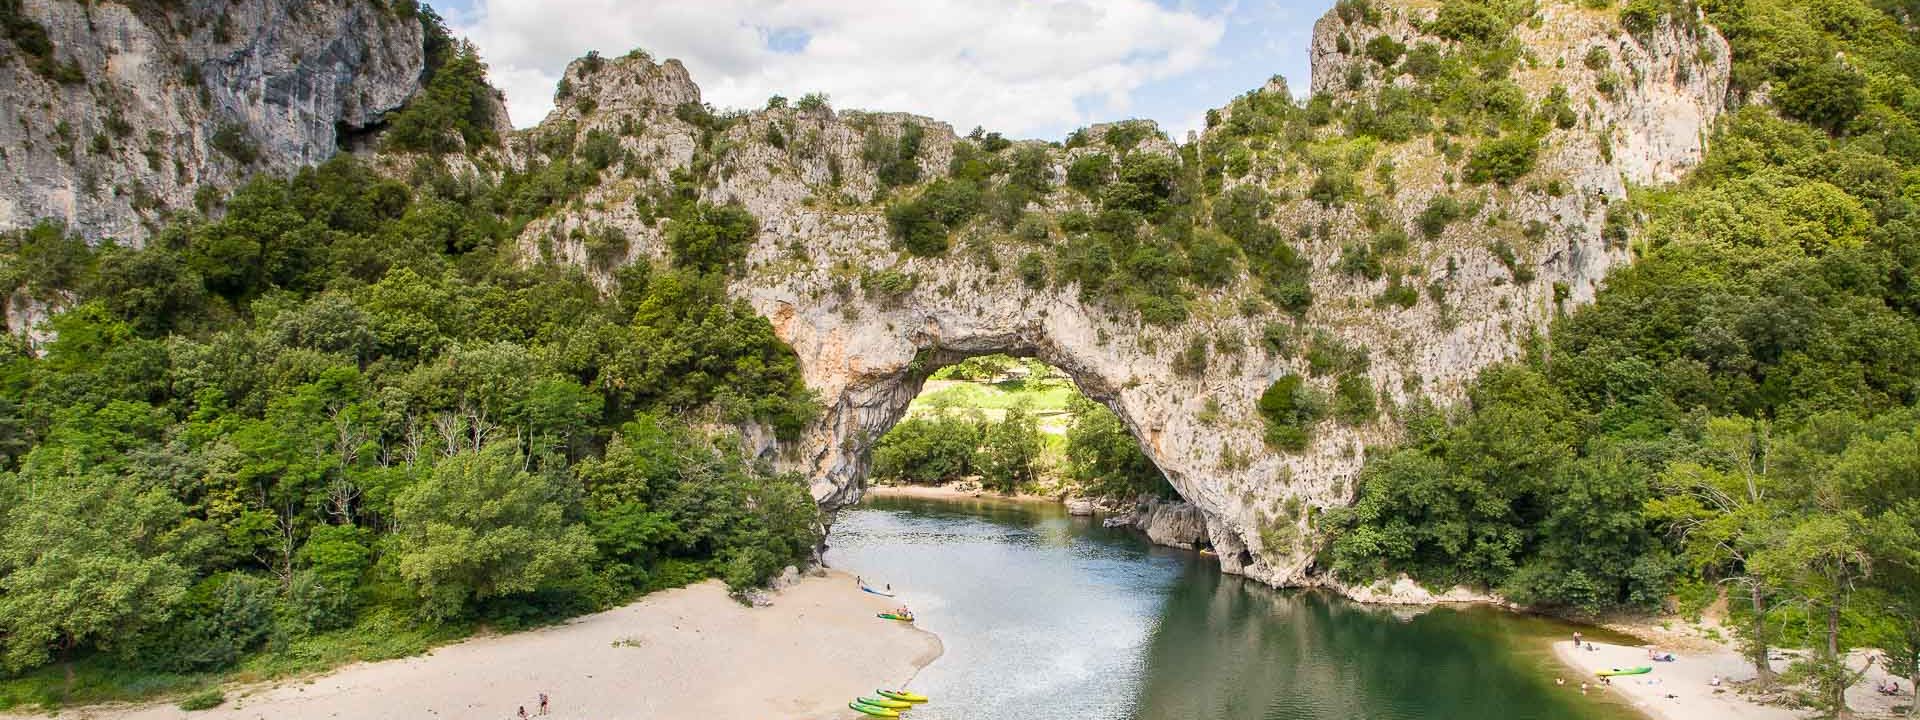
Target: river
{"type": "Point", "coordinates": [1049, 616]}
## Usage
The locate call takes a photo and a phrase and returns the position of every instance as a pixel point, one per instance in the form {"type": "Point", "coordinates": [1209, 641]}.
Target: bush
{"type": "Point", "coordinates": [236, 142]}
{"type": "Point", "coordinates": [1089, 173]}
{"type": "Point", "coordinates": [1503, 159]}
{"type": "Point", "coordinates": [927, 449]}
{"type": "Point", "coordinates": [1469, 21]}
{"type": "Point", "coordinates": [1033, 270]}
{"type": "Point", "coordinates": [1828, 95]}
{"type": "Point", "coordinates": [1385, 50]}
{"type": "Point", "coordinates": [922, 225]}
{"type": "Point", "coordinates": [711, 238]}
{"type": "Point", "coordinates": [1290, 407]}
{"type": "Point", "coordinates": [1353, 401]}
{"type": "Point", "coordinates": [203, 700]}
{"type": "Point", "coordinates": [1440, 212]}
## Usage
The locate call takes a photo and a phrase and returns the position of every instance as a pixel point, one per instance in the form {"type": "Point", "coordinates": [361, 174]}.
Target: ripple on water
{"type": "Point", "coordinates": [1047, 616]}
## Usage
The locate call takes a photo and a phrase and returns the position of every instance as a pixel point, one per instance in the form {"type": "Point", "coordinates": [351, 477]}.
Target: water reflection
{"type": "Point", "coordinates": [1048, 616]}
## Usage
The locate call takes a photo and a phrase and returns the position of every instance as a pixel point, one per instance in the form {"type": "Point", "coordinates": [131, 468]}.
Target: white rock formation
{"type": "Point", "coordinates": [290, 76]}
{"type": "Point", "coordinates": [132, 140]}
{"type": "Point", "coordinates": [867, 355]}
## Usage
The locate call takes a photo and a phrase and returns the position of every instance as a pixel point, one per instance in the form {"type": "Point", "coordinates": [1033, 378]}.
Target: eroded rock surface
{"type": "Point", "coordinates": [288, 76]}
{"type": "Point", "coordinates": [150, 105]}
{"type": "Point", "coordinates": [867, 352]}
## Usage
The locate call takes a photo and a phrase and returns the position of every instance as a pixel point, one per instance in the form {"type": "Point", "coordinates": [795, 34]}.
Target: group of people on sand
{"type": "Point", "coordinates": [1889, 686]}
{"type": "Point", "coordinates": [541, 711]}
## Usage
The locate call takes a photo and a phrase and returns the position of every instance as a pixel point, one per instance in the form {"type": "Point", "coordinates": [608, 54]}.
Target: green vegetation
{"type": "Point", "coordinates": [1734, 411]}
{"type": "Point", "coordinates": [1105, 459]}
{"type": "Point", "coordinates": [454, 109]}
{"type": "Point", "coordinates": [999, 420]}
{"type": "Point", "coordinates": [345, 410]}
{"type": "Point", "coordinates": [1290, 408]}
{"type": "Point", "coordinates": [30, 38]}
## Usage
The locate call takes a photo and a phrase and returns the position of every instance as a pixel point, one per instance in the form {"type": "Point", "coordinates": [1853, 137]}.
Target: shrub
{"type": "Point", "coordinates": [1033, 270]}
{"type": "Point", "coordinates": [1828, 95]}
{"type": "Point", "coordinates": [922, 225]}
{"type": "Point", "coordinates": [1192, 360]}
{"type": "Point", "coordinates": [1353, 401]}
{"type": "Point", "coordinates": [711, 238]}
{"type": "Point", "coordinates": [1597, 58]}
{"type": "Point", "coordinates": [1440, 212]}
{"type": "Point", "coordinates": [1385, 50]}
{"type": "Point", "coordinates": [1503, 159]}
{"type": "Point", "coordinates": [896, 161]}
{"type": "Point", "coordinates": [1289, 407]}
{"type": "Point", "coordinates": [1089, 173]}
{"type": "Point", "coordinates": [1469, 21]}
{"type": "Point", "coordinates": [234, 140]}
{"type": "Point", "coordinates": [203, 700]}
{"type": "Point", "coordinates": [814, 102]}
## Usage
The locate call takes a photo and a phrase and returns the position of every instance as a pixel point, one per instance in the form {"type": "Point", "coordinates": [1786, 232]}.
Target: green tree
{"type": "Point", "coordinates": [1010, 451]}
{"type": "Point", "coordinates": [1105, 459]}
{"type": "Point", "coordinates": [1726, 515]}
{"type": "Point", "coordinates": [89, 557]}
{"type": "Point", "coordinates": [478, 526]}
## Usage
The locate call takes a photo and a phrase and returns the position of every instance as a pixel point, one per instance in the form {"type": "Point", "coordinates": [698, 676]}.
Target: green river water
{"type": "Point", "coordinates": [1049, 616]}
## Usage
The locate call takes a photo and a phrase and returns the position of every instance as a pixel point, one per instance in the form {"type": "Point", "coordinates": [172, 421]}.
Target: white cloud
{"type": "Point", "coordinates": [1025, 68]}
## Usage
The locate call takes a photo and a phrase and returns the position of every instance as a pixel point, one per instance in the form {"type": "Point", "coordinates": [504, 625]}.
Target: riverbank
{"type": "Point", "coordinates": [1684, 689]}
{"type": "Point", "coordinates": [690, 652]}
{"type": "Point", "coordinates": [950, 492]}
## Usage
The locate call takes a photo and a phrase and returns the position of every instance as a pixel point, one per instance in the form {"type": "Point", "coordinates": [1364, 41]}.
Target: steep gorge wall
{"type": "Point", "coordinates": [866, 350]}
{"type": "Point", "coordinates": [141, 104]}
{"type": "Point", "coordinates": [159, 86]}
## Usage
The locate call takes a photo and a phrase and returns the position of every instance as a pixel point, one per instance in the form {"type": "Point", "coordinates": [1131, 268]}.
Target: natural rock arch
{"type": "Point", "coordinates": [864, 348]}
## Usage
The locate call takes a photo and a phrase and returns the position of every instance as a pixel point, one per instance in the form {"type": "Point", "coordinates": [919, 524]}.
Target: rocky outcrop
{"type": "Point", "coordinates": [866, 348]}
{"type": "Point", "coordinates": [149, 103]}
{"type": "Point", "coordinates": [1175, 524]}
{"type": "Point", "coordinates": [293, 75]}
{"type": "Point", "coordinates": [1403, 590]}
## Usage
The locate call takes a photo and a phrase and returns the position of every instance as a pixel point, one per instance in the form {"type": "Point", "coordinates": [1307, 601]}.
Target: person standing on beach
{"type": "Point", "coordinates": [1576, 639]}
{"type": "Point", "coordinates": [543, 703]}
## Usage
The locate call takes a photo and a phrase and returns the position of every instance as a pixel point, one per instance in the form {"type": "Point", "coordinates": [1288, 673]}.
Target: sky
{"type": "Point", "coordinates": [1032, 69]}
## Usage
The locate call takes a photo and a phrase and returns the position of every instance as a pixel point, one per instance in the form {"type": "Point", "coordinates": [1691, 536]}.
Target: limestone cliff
{"type": "Point", "coordinates": [127, 109]}
{"type": "Point", "coordinates": [869, 322]}
{"type": "Point", "coordinates": [1644, 106]}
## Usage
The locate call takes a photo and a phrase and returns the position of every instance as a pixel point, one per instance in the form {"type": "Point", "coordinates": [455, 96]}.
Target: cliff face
{"type": "Point", "coordinates": [869, 323]}
{"type": "Point", "coordinates": [138, 105]}
{"type": "Point", "coordinates": [866, 347]}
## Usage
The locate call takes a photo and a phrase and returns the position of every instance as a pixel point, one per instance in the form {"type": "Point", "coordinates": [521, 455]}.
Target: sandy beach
{"type": "Point", "coordinates": [949, 492]}
{"type": "Point", "coordinates": [1688, 680]}
{"type": "Point", "coordinates": [691, 652]}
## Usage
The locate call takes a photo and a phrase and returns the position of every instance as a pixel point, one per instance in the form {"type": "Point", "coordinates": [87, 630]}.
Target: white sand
{"type": "Point", "coordinates": [678, 654]}
{"type": "Point", "coordinates": [1689, 680]}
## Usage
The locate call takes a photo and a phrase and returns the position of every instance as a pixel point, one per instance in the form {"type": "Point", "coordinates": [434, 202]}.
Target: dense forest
{"type": "Point", "coordinates": [346, 420]}
{"type": "Point", "coordinates": [1736, 411]}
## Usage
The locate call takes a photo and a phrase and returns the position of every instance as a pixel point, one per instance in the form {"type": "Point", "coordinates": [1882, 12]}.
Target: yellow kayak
{"type": "Point", "coordinates": [888, 703]}
{"type": "Point", "coordinates": [874, 711]}
{"type": "Point", "coordinates": [903, 695]}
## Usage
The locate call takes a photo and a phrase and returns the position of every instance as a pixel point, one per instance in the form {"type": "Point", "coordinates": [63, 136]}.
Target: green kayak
{"type": "Point", "coordinates": [874, 711]}
{"type": "Point", "coordinates": [895, 616]}
{"type": "Point", "coordinates": [1642, 670]}
{"type": "Point", "coordinates": [888, 703]}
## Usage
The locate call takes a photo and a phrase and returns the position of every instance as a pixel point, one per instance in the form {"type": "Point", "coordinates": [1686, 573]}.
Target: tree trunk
{"type": "Point", "coordinates": [1839, 668]}
{"type": "Point", "coordinates": [1763, 668]}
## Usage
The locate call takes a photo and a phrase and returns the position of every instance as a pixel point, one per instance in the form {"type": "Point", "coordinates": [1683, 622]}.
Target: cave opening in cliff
{"type": "Point", "coordinates": [1016, 426]}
